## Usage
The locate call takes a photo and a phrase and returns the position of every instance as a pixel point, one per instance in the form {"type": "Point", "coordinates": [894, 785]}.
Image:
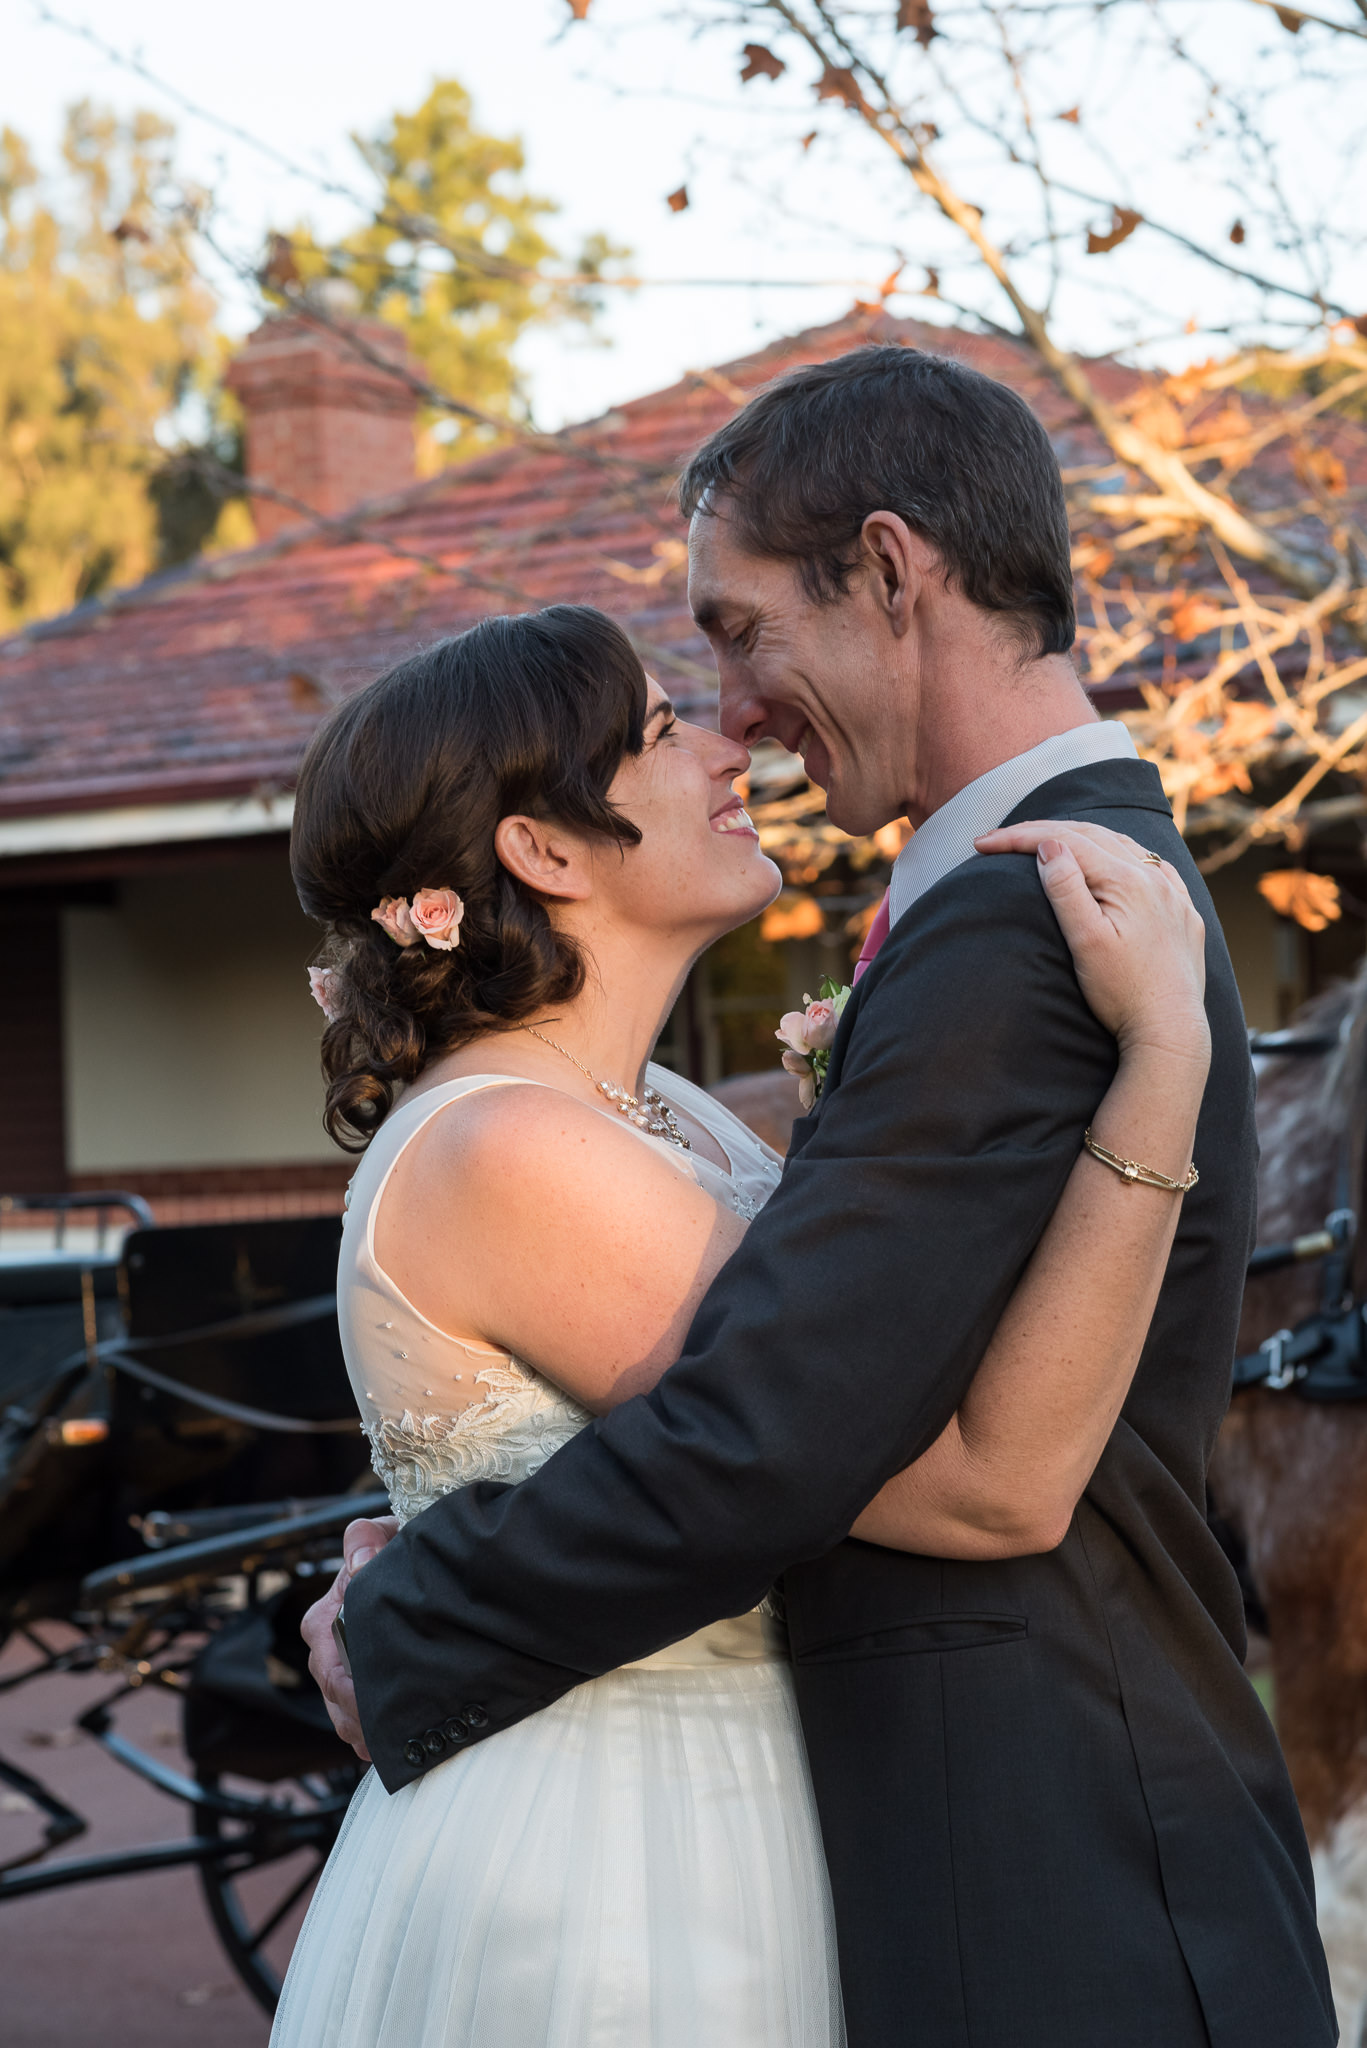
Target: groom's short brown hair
{"type": "Point", "coordinates": [955, 454]}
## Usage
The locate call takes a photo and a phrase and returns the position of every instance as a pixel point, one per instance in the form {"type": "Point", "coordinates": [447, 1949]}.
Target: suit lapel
{"type": "Point", "coordinates": [1102, 786]}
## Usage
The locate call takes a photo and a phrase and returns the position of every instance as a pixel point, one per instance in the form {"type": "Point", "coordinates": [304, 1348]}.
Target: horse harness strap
{"type": "Point", "coordinates": [1322, 1359]}
{"type": "Point", "coordinates": [1325, 1357]}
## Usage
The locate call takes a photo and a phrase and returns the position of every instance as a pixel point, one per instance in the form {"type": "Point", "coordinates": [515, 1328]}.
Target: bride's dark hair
{"type": "Point", "coordinates": [401, 790]}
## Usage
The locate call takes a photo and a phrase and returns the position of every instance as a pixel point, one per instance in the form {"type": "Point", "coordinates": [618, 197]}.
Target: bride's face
{"type": "Point", "coordinates": [698, 869]}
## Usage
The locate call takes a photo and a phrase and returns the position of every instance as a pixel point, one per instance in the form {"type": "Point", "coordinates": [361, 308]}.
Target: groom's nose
{"type": "Point", "coordinates": [742, 713]}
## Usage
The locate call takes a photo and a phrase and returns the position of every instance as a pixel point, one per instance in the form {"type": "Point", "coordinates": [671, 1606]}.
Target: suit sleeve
{"type": "Point", "coordinates": [830, 1352]}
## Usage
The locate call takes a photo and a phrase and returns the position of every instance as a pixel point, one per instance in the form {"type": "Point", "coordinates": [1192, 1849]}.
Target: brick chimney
{"type": "Point", "coordinates": [324, 423]}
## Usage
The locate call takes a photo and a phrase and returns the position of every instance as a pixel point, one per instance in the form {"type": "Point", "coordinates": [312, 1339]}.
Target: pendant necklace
{"type": "Point", "coordinates": [653, 1116]}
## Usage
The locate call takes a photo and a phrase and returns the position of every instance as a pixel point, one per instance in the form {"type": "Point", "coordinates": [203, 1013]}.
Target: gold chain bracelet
{"type": "Point", "coordinates": [1130, 1169]}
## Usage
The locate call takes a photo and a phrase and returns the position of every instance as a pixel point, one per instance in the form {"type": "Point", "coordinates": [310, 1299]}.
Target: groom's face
{"type": "Point", "coordinates": [814, 677]}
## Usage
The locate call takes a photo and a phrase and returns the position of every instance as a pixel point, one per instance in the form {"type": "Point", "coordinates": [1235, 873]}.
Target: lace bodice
{"type": "Point", "coordinates": [441, 1414]}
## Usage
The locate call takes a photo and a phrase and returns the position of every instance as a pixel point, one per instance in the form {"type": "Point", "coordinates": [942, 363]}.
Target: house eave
{"type": "Point", "coordinates": [132, 825]}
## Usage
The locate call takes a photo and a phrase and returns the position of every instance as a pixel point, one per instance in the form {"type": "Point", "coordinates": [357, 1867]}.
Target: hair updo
{"type": "Point", "coordinates": [401, 790]}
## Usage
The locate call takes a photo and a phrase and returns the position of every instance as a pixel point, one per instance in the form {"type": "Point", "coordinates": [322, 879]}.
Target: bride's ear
{"type": "Point", "coordinates": [544, 857]}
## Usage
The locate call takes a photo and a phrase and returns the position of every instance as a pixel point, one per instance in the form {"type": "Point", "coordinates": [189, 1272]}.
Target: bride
{"type": "Point", "coordinates": [517, 851]}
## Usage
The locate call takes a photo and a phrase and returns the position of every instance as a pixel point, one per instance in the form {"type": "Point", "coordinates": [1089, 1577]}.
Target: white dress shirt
{"type": "Point", "coordinates": [945, 841]}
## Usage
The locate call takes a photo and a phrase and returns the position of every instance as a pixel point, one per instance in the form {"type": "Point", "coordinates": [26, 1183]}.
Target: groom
{"type": "Point", "coordinates": [1054, 1811]}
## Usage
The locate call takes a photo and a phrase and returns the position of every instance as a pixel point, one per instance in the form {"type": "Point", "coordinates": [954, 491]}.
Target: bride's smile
{"type": "Point", "coordinates": [698, 870]}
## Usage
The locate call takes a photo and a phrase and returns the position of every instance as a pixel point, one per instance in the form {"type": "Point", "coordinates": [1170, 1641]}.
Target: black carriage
{"type": "Point", "coordinates": [183, 1398]}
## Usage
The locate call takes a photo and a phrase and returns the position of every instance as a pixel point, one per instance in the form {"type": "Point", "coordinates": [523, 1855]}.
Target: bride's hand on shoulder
{"type": "Point", "coordinates": [1137, 939]}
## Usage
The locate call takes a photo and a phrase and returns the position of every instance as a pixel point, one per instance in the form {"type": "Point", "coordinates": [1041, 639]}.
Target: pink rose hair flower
{"type": "Point", "coordinates": [325, 986]}
{"type": "Point", "coordinates": [393, 915]}
{"type": "Point", "coordinates": [433, 917]}
{"type": "Point", "coordinates": [436, 916]}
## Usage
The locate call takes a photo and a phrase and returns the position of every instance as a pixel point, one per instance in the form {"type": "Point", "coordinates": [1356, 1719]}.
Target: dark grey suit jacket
{"type": "Point", "coordinates": [1055, 1813]}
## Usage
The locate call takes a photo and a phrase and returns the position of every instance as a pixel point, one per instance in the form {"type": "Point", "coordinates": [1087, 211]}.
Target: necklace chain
{"type": "Point", "coordinates": [653, 1115]}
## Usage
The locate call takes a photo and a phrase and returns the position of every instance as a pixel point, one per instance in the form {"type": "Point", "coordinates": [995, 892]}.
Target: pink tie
{"type": "Point", "coordinates": [878, 931]}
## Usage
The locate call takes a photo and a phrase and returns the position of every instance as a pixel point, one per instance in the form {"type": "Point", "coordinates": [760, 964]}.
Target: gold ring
{"type": "Point", "coordinates": [1156, 859]}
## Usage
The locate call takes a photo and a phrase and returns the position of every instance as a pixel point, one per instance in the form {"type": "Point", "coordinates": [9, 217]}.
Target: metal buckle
{"type": "Point", "coordinates": [1280, 1375]}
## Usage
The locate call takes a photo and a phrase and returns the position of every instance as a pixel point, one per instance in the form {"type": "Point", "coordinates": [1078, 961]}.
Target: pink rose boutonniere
{"type": "Point", "coordinates": [807, 1037]}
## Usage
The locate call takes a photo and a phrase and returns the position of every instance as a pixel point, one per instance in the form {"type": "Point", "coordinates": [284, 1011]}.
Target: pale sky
{"type": "Point", "coordinates": [615, 114]}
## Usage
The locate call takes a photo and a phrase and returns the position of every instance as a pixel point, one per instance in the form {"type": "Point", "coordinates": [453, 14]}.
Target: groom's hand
{"type": "Point", "coordinates": [360, 1542]}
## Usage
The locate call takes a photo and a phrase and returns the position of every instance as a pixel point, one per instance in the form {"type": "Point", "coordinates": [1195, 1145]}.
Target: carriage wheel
{"type": "Point", "coordinates": [258, 1896]}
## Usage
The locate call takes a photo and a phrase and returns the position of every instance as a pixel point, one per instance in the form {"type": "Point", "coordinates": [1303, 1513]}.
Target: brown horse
{"type": "Point", "coordinates": [1290, 1475]}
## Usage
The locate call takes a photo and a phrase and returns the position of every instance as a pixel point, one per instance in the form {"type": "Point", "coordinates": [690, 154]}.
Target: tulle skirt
{"type": "Point", "coordinates": [637, 1866]}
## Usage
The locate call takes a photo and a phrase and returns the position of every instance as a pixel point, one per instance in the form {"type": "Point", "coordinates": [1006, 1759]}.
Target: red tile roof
{"type": "Point", "coordinates": [207, 681]}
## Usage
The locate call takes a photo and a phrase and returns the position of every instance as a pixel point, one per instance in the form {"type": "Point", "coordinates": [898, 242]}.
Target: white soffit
{"type": "Point", "coordinates": [145, 825]}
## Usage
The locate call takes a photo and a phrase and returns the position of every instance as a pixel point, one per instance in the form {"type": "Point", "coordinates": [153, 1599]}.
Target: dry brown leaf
{"type": "Point", "coordinates": [1092, 554]}
{"type": "Point", "coordinates": [1124, 221]}
{"type": "Point", "coordinates": [1225, 425]}
{"type": "Point", "coordinates": [1313, 900]}
{"type": "Point", "coordinates": [792, 917]}
{"type": "Point", "coordinates": [1291, 19]}
{"type": "Point", "coordinates": [1238, 233]}
{"type": "Point", "coordinates": [306, 692]}
{"type": "Point", "coordinates": [677, 201]}
{"type": "Point", "coordinates": [1189, 383]}
{"type": "Point", "coordinates": [1219, 778]}
{"type": "Point", "coordinates": [1320, 468]}
{"type": "Point", "coordinates": [916, 14]}
{"type": "Point", "coordinates": [760, 63]}
{"type": "Point", "coordinates": [1246, 724]}
{"type": "Point", "coordinates": [1159, 418]}
{"type": "Point", "coordinates": [579, 9]}
{"type": "Point", "coordinates": [1073, 114]}
{"type": "Point", "coordinates": [1192, 617]}
{"type": "Point", "coordinates": [130, 231]}
{"type": "Point", "coordinates": [838, 82]}
{"type": "Point", "coordinates": [279, 269]}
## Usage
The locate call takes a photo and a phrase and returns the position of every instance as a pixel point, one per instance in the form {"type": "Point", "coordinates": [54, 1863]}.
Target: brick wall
{"type": "Point", "coordinates": [230, 1194]}
{"type": "Point", "coordinates": [325, 423]}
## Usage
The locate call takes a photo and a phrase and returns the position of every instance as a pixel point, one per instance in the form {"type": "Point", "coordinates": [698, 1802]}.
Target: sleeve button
{"type": "Point", "coordinates": [414, 1753]}
{"type": "Point", "coordinates": [434, 1742]}
{"type": "Point", "coordinates": [455, 1730]}
{"type": "Point", "coordinates": [475, 1717]}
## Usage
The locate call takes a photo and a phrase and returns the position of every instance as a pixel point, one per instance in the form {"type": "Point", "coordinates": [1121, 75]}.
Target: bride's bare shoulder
{"type": "Point", "coordinates": [529, 1220]}
{"type": "Point", "coordinates": [510, 1144]}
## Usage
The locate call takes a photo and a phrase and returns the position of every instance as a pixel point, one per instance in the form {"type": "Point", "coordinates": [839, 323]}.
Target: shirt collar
{"type": "Point", "coordinates": [945, 841]}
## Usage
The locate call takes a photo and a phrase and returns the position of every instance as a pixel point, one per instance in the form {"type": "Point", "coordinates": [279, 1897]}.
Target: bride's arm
{"type": "Point", "coordinates": [1005, 1475]}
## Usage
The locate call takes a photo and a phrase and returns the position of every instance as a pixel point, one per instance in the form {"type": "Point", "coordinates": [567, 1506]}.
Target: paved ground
{"type": "Point", "coordinates": [127, 1963]}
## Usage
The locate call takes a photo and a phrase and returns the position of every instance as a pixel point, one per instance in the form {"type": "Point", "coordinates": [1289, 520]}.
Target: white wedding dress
{"type": "Point", "coordinates": [637, 1865]}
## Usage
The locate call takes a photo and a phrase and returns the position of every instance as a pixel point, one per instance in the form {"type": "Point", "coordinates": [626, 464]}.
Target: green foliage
{"type": "Point", "coordinates": [109, 352]}
{"type": "Point", "coordinates": [104, 336]}
{"type": "Point", "coordinates": [456, 256]}
{"type": "Point", "coordinates": [1292, 383]}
